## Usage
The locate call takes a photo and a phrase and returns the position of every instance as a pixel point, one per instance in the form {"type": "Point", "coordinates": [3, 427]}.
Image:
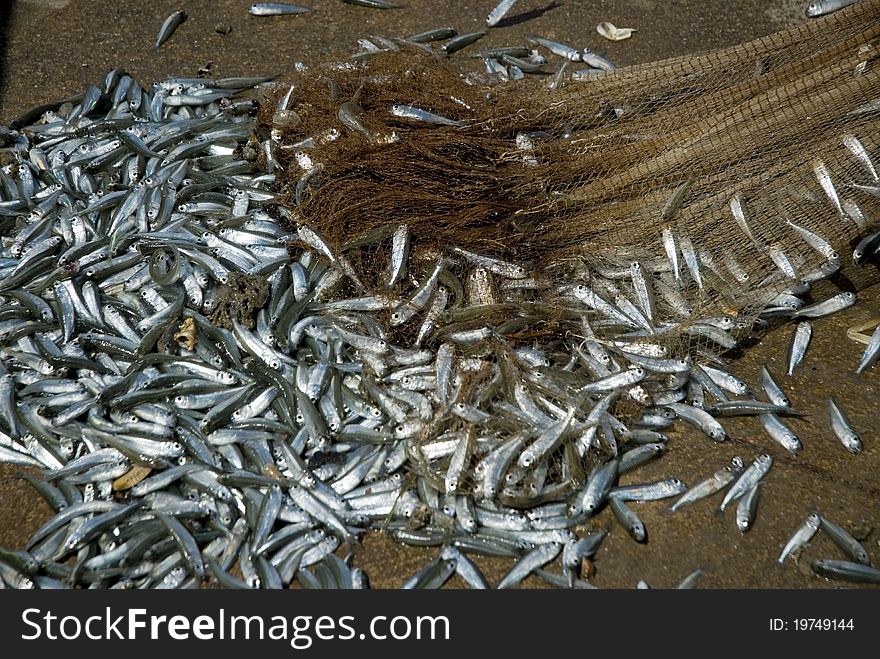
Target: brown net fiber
{"type": "Point", "coordinates": [727, 179]}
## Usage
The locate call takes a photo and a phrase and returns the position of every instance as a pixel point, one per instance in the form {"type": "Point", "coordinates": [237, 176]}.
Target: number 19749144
{"type": "Point", "coordinates": [810, 624]}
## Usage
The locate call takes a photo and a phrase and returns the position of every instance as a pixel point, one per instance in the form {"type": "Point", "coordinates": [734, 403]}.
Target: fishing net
{"type": "Point", "coordinates": [729, 178]}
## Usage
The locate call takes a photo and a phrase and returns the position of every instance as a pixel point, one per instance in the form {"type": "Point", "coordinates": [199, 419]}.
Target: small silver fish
{"type": "Point", "coordinates": [737, 207]}
{"type": "Point", "coordinates": [715, 483]}
{"type": "Point", "coordinates": [872, 351]}
{"type": "Point", "coordinates": [780, 433]}
{"type": "Point", "coordinates": [827, 307]}
{"type": "Point", "coordinates": [824, 178]}
{"type": "Point", "coordinates": [460, 41]}
{"type": "Point", "coordinates": [746, 508]}
{"type": "Point", "coordinates": [846, 571]}
{"type": "Point", "coordinates": [691, 259]}
{"type": "Point", "coordinates": [843, 428]}
{"type": "Point", "coordinates": [671, 251]}
{"type": "Point", "coordinates": [774, 391]}
{"type": "Point", "coordinates": [649, 491]}
{"type": "Point", "coordinates": [499, 12]}
{"type": "Point", "coordinates": [848, 544]}
{"type": "Point", "coordinates": [276, 9]}
{"type": "Point", "coordinates": [852, 143]}
{"type": "Point", "coordinates": [557, 48]}
{"type": "Point", "coordinates": [170, 26]}
{"type": "Point", "coordinates": [866, 248]}
{"type": "Point", "coordinates": [628, 520]}
{"type": "Point", "coordinates": [799, 344]}
{"type": "Point", "coordinates": [596, 61]}
{"type": "Point", "coordinates": [748, 479]}
{"type": "Point", "coordinates": [417, 114]}
{"type": "Point", "coordinates": [801, 537]}
{"type": "Point", "coordinates": [822, 7]}
{"type": "Point", "coordinates": [400, 243]}
{"type": "Point", "coordinates": [780, 258]}
{"type": "Point", "coordinates": [373, 4]}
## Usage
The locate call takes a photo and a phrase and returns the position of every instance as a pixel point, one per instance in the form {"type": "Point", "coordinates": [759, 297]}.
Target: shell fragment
{"type": "Point", "coordinates": [612, 33]}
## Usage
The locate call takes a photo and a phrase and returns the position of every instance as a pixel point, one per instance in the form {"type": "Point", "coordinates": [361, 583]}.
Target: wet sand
{"type": "Point", "coordinates": [58, 48]}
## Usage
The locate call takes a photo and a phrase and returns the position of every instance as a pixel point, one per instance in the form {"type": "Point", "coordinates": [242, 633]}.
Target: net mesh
{"type": "Point", "coordinates": [729, 177]}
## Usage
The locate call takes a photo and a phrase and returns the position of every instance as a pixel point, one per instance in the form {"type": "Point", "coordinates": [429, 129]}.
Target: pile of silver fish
{"type": "Point", "coordinates": [205, 397]}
